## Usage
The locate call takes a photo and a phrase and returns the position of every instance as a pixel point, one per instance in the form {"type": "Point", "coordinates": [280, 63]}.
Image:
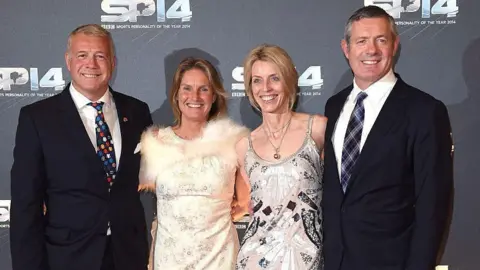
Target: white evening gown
{"type": "Point", "coordinates": [194, 183]}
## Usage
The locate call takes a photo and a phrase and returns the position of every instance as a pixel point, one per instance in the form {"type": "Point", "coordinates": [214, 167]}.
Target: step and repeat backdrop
{"type": "Point", "coordinates": [440, 54]}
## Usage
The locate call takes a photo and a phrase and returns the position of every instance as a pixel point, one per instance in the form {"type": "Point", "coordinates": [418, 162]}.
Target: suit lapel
{"type": "Point", "coordinates": [388, 117]}
{"type": "Point", "coordinates": [337, 108]}
{"type": "Point", "coordinates": [73, 125]}
{"type": "Point", "coordinates": [124, 119]}
{"type": "Point", "coordinates": [334, 113]}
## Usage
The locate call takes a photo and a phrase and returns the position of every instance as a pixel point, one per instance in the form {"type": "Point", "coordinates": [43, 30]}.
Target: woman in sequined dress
{"type": "Point", "coordinates": [191, 167]}
{"type": "Point", "coordinates": [282, 163]}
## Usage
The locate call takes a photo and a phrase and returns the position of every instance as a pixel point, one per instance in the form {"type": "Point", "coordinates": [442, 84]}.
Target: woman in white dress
{"type": "Point", "coordinates": [281, 159]}
{"type": "Point", "coordinates": [191, 167]}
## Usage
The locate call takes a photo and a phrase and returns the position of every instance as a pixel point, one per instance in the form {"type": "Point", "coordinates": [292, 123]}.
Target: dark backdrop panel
{"type": "Point", "coordinates": [440, 54]}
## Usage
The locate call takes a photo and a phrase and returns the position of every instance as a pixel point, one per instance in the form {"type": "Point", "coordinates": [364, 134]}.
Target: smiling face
{"type": "Point", "coordinates": [195, 96]}
{"type": "Point", "coordinates": [90, 62]}
{"type": "Point", "coordinates": [371, 51]}
{"type": "Point", "coordinates": [268, 88]}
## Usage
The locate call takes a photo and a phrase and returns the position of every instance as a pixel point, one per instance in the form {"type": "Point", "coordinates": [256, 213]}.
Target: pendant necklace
{"type": "Point", "coordinates": [277, 149]}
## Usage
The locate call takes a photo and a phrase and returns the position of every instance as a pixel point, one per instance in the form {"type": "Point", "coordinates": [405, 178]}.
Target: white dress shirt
{"type": "Point", "coordinates": [373, 103]}
{"type": "Point", "coordinates": [88, 114]}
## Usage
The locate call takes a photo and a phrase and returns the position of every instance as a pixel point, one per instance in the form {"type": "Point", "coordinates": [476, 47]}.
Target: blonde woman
{"type": "Point", "coordinates": [282, 163]}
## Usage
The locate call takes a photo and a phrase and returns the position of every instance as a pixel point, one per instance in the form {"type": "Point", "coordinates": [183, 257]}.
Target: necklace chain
{"type": "Point", "coordinates": [279, 129]}
{"type": "Point", "coordinates": [277, 149]}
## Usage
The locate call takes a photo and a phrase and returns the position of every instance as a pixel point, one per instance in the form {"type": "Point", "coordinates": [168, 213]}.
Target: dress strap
{"type": "Point", "coordinates": [310, 121]}
{"type": "Point", "coordinates": [250, 142]}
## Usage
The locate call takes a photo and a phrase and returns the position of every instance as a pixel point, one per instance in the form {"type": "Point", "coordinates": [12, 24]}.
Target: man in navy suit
{"type": "Point", "coordinates": [388, 166]}
{"type": "Point", "coordinates": [74, 152]}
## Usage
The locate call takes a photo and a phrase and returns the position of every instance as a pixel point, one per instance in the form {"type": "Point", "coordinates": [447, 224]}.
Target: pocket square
{"type": "Point", "coordinates": [138, 148]}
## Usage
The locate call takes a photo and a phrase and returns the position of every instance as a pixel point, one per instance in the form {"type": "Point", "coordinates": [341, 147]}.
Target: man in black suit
{"type": "Point", "coordinates": [388, 168]}
{"type": "Point", "coordinates": [74, 152]}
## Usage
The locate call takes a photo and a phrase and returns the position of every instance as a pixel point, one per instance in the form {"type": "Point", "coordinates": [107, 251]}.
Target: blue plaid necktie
{"type": "Point", "coordinates": [105, 150]}
{"type": "Point", "coordinates": [351, 144]}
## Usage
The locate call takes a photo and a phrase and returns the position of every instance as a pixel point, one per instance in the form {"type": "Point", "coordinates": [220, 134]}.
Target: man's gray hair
{"type": "Point", "coordinates": [365, 13]}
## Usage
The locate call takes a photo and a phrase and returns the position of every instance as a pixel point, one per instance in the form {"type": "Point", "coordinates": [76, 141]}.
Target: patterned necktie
{"type": "Point", "coordinates": [105, 150]}
{"type": "Point", "coordinates": [351, 144]}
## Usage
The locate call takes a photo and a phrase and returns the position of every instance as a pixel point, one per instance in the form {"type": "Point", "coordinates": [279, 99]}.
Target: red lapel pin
{"type": "Point", "coordinates": [125, 119]}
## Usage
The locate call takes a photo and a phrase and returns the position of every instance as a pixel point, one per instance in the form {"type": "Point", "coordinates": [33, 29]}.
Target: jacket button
{"type": "Point", "coordinates": [343, 209]}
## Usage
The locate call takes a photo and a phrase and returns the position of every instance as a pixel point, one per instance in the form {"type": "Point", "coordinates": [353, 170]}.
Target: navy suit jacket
{"type": "Point", "coordinates": [55, 163]}
{"type": "Point", "coordinates": [394, 211]}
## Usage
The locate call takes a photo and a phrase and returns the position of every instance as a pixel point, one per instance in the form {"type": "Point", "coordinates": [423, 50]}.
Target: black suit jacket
{"type": "Point", "coordinates": [55, 163]}
{"type": "Point", "coordinates": [393, 213]}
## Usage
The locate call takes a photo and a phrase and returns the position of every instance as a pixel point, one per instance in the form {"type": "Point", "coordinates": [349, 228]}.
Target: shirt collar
{"type": "Point", "coordinates": [378, 89]}
{"type": "Point", "coordinates": [81, 101]}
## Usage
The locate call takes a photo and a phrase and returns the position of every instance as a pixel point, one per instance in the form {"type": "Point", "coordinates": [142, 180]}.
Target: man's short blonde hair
{"type": "Point", "coordinates": [280, 58]}
{"type": "Point", "coordinates": [92, 30]}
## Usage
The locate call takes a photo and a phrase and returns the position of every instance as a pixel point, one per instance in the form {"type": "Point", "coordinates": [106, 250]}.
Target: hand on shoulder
{"type": "Point", "coordinates": [153, 132]}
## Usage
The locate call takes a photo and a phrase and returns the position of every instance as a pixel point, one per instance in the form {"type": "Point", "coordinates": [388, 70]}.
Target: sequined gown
{"type": "Point", "coordinates": [194, 183]}
{"type": "Point", "coordinates": [285, 232]}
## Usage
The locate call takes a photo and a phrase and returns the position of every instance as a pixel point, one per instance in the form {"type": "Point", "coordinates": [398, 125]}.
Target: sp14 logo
{"type": "Point", "coordinates": [395, 8]}
{"type": "Point", "coordinates": [130, 10]}
{"type": "Point", "coordinates": [311, 77]}
{"type": "Point", "coordinates": [53, 78]}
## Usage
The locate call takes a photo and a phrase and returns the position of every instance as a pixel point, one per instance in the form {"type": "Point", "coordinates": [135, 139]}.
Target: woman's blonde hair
{"type": "Point", "coordinates": [280, 58]}
{"type": "Point", "coordinates": [219, 106]}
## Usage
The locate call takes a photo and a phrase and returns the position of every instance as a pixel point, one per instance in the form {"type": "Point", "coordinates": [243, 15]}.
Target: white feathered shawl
{"type": "Point", "coordinates": [160, 149]}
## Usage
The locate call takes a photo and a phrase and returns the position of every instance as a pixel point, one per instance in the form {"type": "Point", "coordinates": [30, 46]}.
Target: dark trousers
{"type": "Point", "coordinates": [107, 262]}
